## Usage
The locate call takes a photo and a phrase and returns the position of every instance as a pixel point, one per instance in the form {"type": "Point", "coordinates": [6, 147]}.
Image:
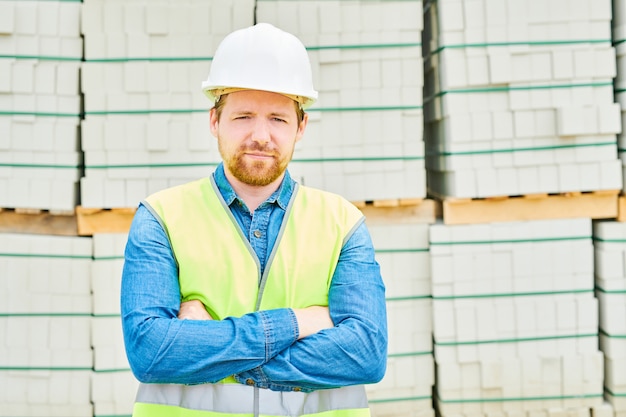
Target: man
{"type": "Point", "coordinates": [245, 293]}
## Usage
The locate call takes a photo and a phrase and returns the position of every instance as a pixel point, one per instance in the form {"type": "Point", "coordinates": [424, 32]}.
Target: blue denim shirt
{"type": "Point", "coordinates": [260, 347]}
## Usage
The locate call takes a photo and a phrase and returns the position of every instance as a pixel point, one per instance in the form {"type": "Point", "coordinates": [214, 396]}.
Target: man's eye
{"type": "Point", "coordinates": [278, 119]}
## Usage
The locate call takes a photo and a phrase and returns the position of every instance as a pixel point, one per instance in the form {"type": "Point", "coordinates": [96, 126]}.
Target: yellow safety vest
{"type": "Point", "coordinates": [298, 274]}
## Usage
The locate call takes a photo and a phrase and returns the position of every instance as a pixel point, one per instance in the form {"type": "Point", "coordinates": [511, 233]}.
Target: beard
{"type": "Point", "coordinates": [257, 173]}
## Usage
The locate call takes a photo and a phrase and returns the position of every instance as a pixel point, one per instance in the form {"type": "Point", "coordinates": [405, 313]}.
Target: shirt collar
{"type": "Point", "coordinates": [281, 196]}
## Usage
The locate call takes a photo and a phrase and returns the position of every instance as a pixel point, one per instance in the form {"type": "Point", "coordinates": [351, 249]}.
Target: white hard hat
{"type": "Point", "coordinates": [261, 57]}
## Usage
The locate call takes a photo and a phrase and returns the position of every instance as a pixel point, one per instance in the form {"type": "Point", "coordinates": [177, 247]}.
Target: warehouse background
{"type": "Point", "coordinates": [482, 139]}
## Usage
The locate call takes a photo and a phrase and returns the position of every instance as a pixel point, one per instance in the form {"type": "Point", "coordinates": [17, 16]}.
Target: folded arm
{"type": "Point", "coordinates": [354, 351]}
{"type": "Point", "coordinates": [162, 348]}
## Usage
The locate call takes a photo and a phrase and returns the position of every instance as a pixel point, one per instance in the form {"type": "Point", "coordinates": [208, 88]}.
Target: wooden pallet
{"type": "Point", "coordinates": [415, 210]}
{"type": "Point", "coordinates": [38, 222]}
{"type": "Point", "coordinates": [92, 221]}
{"type": "Point", "coordinates": [594, 204]}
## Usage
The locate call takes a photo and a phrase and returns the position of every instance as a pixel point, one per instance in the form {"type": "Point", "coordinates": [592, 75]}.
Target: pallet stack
{"type": "Point", "coordinates": [520, 127]}
{"type": "Point", "coordinates": [519, 99]}
{"type": "Point", "coordinates": [146, 119]}
{"type": "Point", "coordinates": [610, 261]}
{"type": "Point", "coordinates": [113, 387]}
{"type": "Point", "coordinates": [40, 104]}
{"type": "Point", "coordinates": [46, 358]}
{"type": "Point", "coordinates": [402, 251]}
{"type": "Point", "coordinates": [364, 139]}
{"type": "Point", "coordinates": [515, 317]}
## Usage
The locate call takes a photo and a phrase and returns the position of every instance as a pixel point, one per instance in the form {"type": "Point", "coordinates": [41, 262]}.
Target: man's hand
{"type": "Point", "coordinates": [313, 319]}
{"type": "Point", "coordinates": [193, 310]}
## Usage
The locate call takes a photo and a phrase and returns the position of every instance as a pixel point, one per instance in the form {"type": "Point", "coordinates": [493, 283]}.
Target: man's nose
{"type": "Point", "coordinates": [261, 131]}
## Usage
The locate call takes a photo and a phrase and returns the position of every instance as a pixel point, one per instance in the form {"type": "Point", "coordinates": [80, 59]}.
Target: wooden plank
{"type": "Point", "coordinates": [37, 222]}
{"type": "Point", "coordinates": [421, 211]}
{"type": "Point", "coordinates": [601, 205]}
{"type": "Point", "coordinates": [91, 221]}
{"type": "Point", "coordinates": [621, 210]}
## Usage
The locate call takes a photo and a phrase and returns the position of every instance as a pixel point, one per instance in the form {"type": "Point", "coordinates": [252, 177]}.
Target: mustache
{"type": "Point", "coordinates": [257, 147]}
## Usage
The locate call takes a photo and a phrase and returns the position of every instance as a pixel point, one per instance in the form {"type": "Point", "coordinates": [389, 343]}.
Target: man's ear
{"type": "Point", "coordinates": [213, 122]}
{"type": "Point", "coordinates": [302, 127]}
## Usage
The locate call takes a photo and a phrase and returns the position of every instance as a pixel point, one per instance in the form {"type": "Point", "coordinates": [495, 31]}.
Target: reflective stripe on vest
{"type": "Point", "coordinates": [298, 274]}
{"type": "Point", "coordinates": [221, 400]}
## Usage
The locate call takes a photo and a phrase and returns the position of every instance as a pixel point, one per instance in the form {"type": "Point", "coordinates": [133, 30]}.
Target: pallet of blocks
{"type": "Point", "coordinates": [40, 104]}
{"type": "Point", "coordinates": [364, 137]}
{"type": "Point", "coordinates": [610, 261]}
{"type": "Point", "coordinates": [515, 319]}
{"type": "Point", "coordinates": [113, 385]}
{"type": "Point", "coordinates": [45, 320]}
{"type": "Point", "coordinates": [619, 37]}
{"type": "Point", "coordinates": [519, 102]}
{"type": "Point", "coordinates": [146, 123]}
{"type": "Point", "coordinates": [403, 254]}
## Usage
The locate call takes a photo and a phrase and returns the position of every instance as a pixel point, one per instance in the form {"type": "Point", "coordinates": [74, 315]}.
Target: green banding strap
{"type": "Point", "coordinates": [44, 368]}
{"type": "Point", "coordinates": [173, 165]}
{"type": "Point", "coordinates": [150, 59]}
{"type": "Point", "coordinates": [520, 43]}
{"type": "Point", "coordinates": [515, 88]}
{"type": "Point", "coordinates": [43, 57]}
{"type": "Point", "coordinates": [108, 258]}
{"type": "Point", "coordinates": [313, 109]}
{"type": "Point", "coordinates": [46, 315]}
{"type": "Point", "coordinates": [44, 255]}
{"type": "Point", "coordinates": [516, 340]}
{"type": "Point", "coordinates": [210, 58]}
{"type": "Point", "coordinates": [412, 250]}
{"type": "Point", "coordinates": [409, 354]}
{"type": "Point", "coordinates": [490, 242]}
{"type": "Point", "coordinates": [409, 298]}
{"type": "Point", "coordinates": [602, 290]}
{"type": "Point", "coordinates": [365, 46]}
{"type": "Point", "coordinates": [369, 108]}
{"type": "Point", "coordinates": [510, 150]}
{"type": "Point", "coordinates": [506, 399]}
{"type": "Point", "coordinates": [363, 159]}
{"type": "Point", "coordinates": [36, 113]}
{"type": "Point", "coordinates": [613, 336]}
{"type": "Point", "coordinates": [394, 400]}
{"type": "Point", "coordinates": [142, 112]}
{"type": "Point", "coordinates": [106, 316]}
{"type": "Point", "coordinates": [18, 165]}
{"type": "Point", "coordinates": [513, 294]}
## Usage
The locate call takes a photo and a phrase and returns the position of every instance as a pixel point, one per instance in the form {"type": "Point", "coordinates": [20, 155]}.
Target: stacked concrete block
{"type": "Point", "coordinates": [406, 389]}
{"type": "Point", "coordinates": [146, 124]}
{"type": "Point", "coordinates": [45, 321]}
{"type": "Point", "coordinates": [610, 263]}
{"type": "Point", "coordinates": [519, 98]}
{"type": "Point", "coordinates": [515, 318]}
{"type": "Point", "coordinates": [364, 139]}
{"type": "Point", "coordinates": [113, 384]}
{"type": "Point", "coordinates": [619, 36]}
{"type": "Point", "coordinates": [40, 104]}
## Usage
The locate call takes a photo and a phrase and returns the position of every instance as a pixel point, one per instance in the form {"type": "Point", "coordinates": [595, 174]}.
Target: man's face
{"type": "Point", "coordinates": [257, 132]}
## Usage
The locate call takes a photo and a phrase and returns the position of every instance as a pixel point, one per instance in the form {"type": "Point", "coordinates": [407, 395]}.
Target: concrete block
{"type": "Point", "coordinates": [112, 18]}
{"type": "Point", "coordinates": [69, 20]}
{"type": "Point", "coordinates": [7, 18]}
{"type": "Point", "coordinates": [25, 18]}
